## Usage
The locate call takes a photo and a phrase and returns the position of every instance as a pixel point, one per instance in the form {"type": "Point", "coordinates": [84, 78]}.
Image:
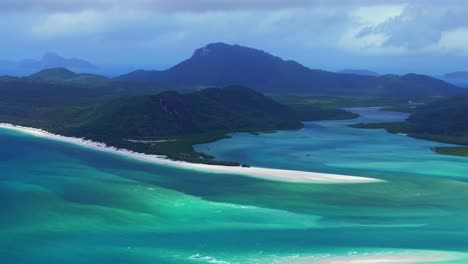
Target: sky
{"type": "Point", "coordinates": [393, 36]}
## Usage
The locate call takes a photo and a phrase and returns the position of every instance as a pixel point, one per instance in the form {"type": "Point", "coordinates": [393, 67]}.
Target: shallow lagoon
{"type": "Point", "coordinates": [334, 147]}
{"type": "Point", "coordinates": [66, 204]}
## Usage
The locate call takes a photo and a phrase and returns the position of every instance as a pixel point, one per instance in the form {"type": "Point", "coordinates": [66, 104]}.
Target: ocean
{"type": "Point", "coordinates": [62, 203]}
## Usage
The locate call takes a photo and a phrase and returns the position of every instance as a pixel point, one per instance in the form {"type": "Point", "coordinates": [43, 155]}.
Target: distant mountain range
{"type": "Point", "coordinates": [48, 60]}
{"type": "Point", "coordinates": [359, 72]}
{"type": "Point", "coordinates": [220, 64]}
{"type": "Point", "coordinates": [459, 78]}
{"type": "Point", "coordinates": [457, 75]}
{"type": "Point", "coordinates": [67, 76]}
{"type": "Point", "coordinates": [105, 109]}
{"type": "Point", "coordinates": [53, 60]}
{"type": "Point", "coordinates": [56, 87]}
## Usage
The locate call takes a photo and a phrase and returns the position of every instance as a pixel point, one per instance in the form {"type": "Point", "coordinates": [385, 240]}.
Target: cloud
{"type": "Point", "coordinates": [70, 24]}
{"type": "Point", "coordinates": [372, 16]}
{"type": "Point", "coordinates": [422, 25]}
{"type": "Point", "coordinates": [176, 5]}
{"type": "Point", "coordinates": [362, 27]}
{"type": "Point", "coordinates": [155, 5]}
{"type": "Point", "coordinates": [456, 40]}
{"type": "Point", "coordinates": [166, 31]}
{"type": "Point", "coordinates": [361, 34]}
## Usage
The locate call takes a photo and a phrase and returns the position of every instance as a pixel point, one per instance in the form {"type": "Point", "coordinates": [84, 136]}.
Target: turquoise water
{"type": "Point", "coordinates": [333, 146]}
{"type": "Point", "coordinates": [66, 204]}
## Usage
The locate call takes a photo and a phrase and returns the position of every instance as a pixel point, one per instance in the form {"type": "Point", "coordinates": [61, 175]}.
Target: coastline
{"type": "Point", "coordinates": [385, 258]}
{"type": "Point", "coordinates": [256, 172]}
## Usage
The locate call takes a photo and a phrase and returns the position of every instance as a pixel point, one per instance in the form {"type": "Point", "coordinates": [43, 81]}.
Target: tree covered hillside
{"type": "Point", "coordinates": [172, 114]}
{"type": "Point", "coordinates": [220, 64]}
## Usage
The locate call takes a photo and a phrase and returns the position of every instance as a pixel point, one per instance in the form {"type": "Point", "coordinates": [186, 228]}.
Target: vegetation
{"type": "Point", "coordinates": [106, 110]}
{"type": "Point", "coordinates": [309, 112]}
{"type": "Point", "coordinates": [311, 108]}
{"type": "Point", "coordinates": [335, 102]}
{"type": "Point", "coordinates": [135, 114]}
{"type": "Point", "coordinates": [170, 114]}
{"type": "Point", "coordinates": [168, 123]}
{"type": "Point", "coordinates": [445, 117]}
{"type": "Point", "coordinates": [176, 148]}
{"type": "Point", "coordinates": [454, 151]}
{"type": "Point", "coordinates": [220, 64]}
{"type": "Point", "coordinates": [444, 121]}
{"type": "Point", "coordinates": [66, 76]}
{"type": "Point", "coordinates": [329, 107]}
{"type": "Point", "coordinates": [393, 127]}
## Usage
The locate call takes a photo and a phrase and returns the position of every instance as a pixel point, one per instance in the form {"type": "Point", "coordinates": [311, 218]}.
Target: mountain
{"type": "Point", "coordinates": [359, 72]}
{"type": "Point", "coordinates": [53, 60]}
{"type": "Point", "coordinates": [456, 75]}
{"type": "Point", "coordinates": [26, 99]}
{"type": "Point", "coordinates": [49, 60]}
{"type": "Point", "coordinates": [5, 63]}
{"type": "Point", "coordinates": [459, 79]}
{"type": "Point", "coordinates": [72, 80]}
{"type": "Point", "coordinates": [221, 64]}
{"type": "Point", "coordinates": [132, 116]}
{"type": "Point", "coordinates": [65, 75]}
{"type": "Point", "coordinates": [33, 97]}
{"type": "Point", "coordinates": [169, 123]}
{"type": "Point", "coordinates": [141, 76]}
{"type": "Point", "coordinates": [444, 120]}
{"type": "Point", "coordinates": [9, 68]}
{"type": "Point", "coordinates": [448, 117]}
{"type": "Point", "coordinates": [54, 74]}
{"type": "Point", "coordinates": [171, 114]}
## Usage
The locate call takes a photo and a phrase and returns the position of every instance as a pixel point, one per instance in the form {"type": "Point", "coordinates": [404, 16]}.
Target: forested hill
{"type": "Point", "coordinates": [448, 117]}
{"type": "Point", "coordinates": [58, 87]}
{"type": "Point", "coordinates": [444, 120]}
{"type": "Point", "coordinates": [168, 123]}
{"type": "Point", "coordinates": [171, 114]}
{"type": "Point", "coordinates": [221, 64]}
{"type": "Point", "coordinates": [65, 75]}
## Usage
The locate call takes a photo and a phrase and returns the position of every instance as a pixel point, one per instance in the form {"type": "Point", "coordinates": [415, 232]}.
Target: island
{"type": "Point", "coordinates": [444, 121]}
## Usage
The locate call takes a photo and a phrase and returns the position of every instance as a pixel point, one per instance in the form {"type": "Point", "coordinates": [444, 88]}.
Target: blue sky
{"type": "Point", "coordinates": [429, 36]}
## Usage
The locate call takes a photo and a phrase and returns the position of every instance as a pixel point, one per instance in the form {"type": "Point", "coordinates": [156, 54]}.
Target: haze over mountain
{"type": "Point", "coordinates": [384, 36]}
{"type": "Point", "coordinates": [360, 72]}
{"type": "Point", "coordinates": [47, 61]}
{"type": "Point", "coordinates": [458, 78]}
{"type": "Point", "coordinates": [53, 60]}
{"type": "Point", "coordinates": [457, 75]}
{"type": "Point", "coordinates": [65, 75]}
{"type": "Point", "coordinates": [220, 64]}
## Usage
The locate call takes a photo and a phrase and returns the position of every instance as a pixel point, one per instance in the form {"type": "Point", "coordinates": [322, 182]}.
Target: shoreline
{"type": "Point", "coordinates": [384, 258]}
{"type": "Point", "coordinates": [255, 172]}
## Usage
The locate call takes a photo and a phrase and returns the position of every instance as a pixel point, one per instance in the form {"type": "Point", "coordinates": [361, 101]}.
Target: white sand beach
{"type": "Point", "coordinates": [258, 172]}
{"type": "Point", "coordinates": [384, 258]}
